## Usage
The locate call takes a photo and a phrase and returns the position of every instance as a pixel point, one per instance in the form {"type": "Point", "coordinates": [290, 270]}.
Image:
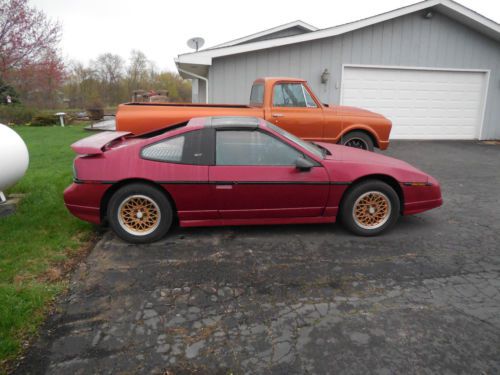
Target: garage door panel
{"type": "Point", "coordinates": [422, 104]}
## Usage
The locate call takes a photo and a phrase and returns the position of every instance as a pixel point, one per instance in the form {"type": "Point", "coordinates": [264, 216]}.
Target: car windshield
{"type": "Point", "coordinates": [311, 147]}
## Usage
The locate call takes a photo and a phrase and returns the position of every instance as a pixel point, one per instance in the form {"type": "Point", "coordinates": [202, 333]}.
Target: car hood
{"type": "Point", "coordinates": [354, 155]}
{"type": "Point", "coordinates": [344, 110]}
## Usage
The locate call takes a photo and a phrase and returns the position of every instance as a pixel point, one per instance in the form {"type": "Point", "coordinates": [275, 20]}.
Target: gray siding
{"type": "Point", "coordinates": [198, 91]}
{"type": "Point", "coordinates": [406, 41]}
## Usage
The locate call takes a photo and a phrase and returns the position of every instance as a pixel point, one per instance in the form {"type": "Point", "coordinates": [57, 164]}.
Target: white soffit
{"type": "Point", "coordinates": [300, 24]}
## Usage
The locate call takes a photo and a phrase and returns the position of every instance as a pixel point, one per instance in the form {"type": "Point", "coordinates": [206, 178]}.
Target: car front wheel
{"type": "Point", "coordinates": [140, 213]}
{"type": "Point", "coordinates": [370, 208]}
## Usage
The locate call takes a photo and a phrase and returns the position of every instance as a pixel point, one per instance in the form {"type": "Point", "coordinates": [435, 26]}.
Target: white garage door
{"type": "Point", "coordinates": [422, 104]}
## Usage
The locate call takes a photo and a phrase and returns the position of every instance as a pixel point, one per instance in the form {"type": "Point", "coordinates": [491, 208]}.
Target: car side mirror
{"type": "Point", "coordinates": [303, 164]}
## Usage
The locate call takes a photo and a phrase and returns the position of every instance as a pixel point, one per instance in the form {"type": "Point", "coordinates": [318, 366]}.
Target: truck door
{"type": "Point", "coordinates": [294, 109]}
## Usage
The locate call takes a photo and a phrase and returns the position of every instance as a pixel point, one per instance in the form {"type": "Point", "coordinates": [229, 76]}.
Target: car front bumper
{"type": "Point", "coordinates": [422, 197]}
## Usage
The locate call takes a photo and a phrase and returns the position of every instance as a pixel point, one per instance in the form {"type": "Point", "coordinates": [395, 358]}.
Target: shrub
{"type": "Point", "coordinates": [15, 114]}
{"type": "Point", "coordinates": [95, 111]}
{"type": "Point", "coordinates": [49, 118]}
{"type": "Point", "coordinates": [95, 114]}
{"type": "Point", "coordinates": [44, 119]}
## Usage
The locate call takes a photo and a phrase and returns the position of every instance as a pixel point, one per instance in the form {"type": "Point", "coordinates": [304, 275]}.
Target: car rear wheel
{"type": "Point", "coordinates": [140, 213]}
{"type": "Point", "coordinates": [358, 140]}
{"type": "Point", "coordinates": [370, 208]}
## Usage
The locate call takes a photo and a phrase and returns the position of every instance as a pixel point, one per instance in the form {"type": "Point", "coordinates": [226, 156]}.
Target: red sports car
{"type": "Point", "coordinates": [238, 171]}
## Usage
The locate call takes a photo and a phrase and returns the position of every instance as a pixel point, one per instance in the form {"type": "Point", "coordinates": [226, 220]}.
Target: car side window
{"type": "Point", "coordinates": [252, 147]}
{"type": "Point", "coordinates": [292, 95]}
{"type": "Point", "coordinates": [188, 148]}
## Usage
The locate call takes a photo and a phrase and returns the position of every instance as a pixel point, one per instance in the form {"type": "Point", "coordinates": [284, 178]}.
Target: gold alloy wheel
{"type": "Point", "coordinates": [139, 215]}
{"type": "Point", "coordinates": [371, 210]}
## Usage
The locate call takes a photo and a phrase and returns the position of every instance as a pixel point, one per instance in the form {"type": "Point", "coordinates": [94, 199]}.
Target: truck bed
{"type": "Point", "coordinates": [188, 105]}
{"type": "Point", "coordinates": [140, 118]}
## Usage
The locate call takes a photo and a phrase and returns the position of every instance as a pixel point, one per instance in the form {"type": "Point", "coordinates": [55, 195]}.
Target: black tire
{"type": "Point", "coordinates": [358, 139]}
{"type": "Point", "coordinates": [154, 222]}
{"type": "Point", "coordinates": [363, 222]}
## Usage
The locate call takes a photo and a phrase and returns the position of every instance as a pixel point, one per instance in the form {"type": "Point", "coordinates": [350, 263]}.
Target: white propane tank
{"type": "Point", "coordinates": [14, 158]}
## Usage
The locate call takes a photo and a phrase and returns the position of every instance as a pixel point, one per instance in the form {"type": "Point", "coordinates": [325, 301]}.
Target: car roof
{"type": "Point", "coordinates": [240, 122]}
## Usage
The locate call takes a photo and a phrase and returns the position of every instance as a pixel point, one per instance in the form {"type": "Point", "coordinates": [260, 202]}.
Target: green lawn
{"type": "Point", "coordinates": [39, 238]}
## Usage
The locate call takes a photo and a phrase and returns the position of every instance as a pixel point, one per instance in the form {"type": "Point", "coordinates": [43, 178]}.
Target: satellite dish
{"type": "Point", "coordinates": [196, 43]}
{"type": "Point", "coordinates": [14, 158]}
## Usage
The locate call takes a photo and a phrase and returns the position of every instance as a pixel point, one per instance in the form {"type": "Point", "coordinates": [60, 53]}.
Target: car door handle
{"type": "Point", "coordinates": [224, 187]}
{"type": "Point", "coordinates": [278, 115]}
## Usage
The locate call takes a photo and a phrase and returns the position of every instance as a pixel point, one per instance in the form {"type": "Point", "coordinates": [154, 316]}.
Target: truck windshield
{"type": "Point", "coordinates": [311, 147]}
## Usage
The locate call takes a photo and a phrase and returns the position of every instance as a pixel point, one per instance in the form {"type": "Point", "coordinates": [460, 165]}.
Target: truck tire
{"type": "Point", "coordinates": [358, 139]}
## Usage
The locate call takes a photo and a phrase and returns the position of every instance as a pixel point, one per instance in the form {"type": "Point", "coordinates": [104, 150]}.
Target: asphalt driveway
{"type": "Point", "coordinates": [424, 298]}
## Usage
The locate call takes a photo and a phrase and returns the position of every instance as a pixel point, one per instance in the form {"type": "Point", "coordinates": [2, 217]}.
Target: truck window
{"type": "Point", "coordinates": [257, 95]}
{"type": "Point", "coordinates": [309, 100]}
{"type": "Point", "coordinates": [292, 95]}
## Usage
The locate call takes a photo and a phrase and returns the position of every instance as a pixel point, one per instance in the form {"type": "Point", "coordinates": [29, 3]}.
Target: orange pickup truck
{"type": "Point", "coordinates": [287, 102]}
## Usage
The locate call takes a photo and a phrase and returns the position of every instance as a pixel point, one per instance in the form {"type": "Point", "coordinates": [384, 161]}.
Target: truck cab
{"type": "Point", "coordinates": [291, 104]}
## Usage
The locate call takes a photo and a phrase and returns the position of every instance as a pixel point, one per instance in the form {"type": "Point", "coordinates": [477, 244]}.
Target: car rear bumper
{"type": "Point", "coordinates": [84, 201]}
{"type": "Point", "coordinates": [90, 214]}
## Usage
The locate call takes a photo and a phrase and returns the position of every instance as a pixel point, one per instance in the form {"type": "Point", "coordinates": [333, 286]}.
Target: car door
{"type": "Point", "coordinates": [255, 176]}
{"type": "Point", "coordinates": [180, 165]}
{"type": "Point", "coordinates": [294, 110]}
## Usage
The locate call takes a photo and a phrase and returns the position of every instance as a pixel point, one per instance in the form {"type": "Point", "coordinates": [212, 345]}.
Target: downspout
{"type": "Point", "coordinates": [198, 77]}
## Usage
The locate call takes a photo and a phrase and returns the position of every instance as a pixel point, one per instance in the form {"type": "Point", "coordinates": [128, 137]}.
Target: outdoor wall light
{"type": "Point", "coordinates": [428, 15]}
{"type": "Point", "coordinates": [325, 76]}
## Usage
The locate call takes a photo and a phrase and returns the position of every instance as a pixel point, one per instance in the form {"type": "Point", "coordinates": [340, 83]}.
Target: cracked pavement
{"type": "Point", "coordinates": [313, 299]}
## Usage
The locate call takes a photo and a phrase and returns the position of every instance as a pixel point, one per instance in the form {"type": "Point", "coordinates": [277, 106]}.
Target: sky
{"type": "Point", "coordinates": [161, 28]}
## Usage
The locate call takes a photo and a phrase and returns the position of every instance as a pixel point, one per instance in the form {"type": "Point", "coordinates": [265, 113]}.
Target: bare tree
{"type": "Point", "coordinates": [110, 68]}
{"type": "Point", "coordinates": [107, 81]}
{"type": "Point", "coordinates": [82, 86]}
{"type": "Point", "coordinates": [137, 72]}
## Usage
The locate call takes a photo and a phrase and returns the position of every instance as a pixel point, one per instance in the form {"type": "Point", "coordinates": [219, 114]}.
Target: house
{"type": "Point", "coordinates": [432, 67]}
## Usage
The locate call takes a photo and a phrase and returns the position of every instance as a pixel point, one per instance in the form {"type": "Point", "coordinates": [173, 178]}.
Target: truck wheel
{"type": "Point", "coordinates": [370, 208]}
{"type": "Point", "coordinates": [358, 139]}
{"type": "Point", "coordinates": [140, 213]}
